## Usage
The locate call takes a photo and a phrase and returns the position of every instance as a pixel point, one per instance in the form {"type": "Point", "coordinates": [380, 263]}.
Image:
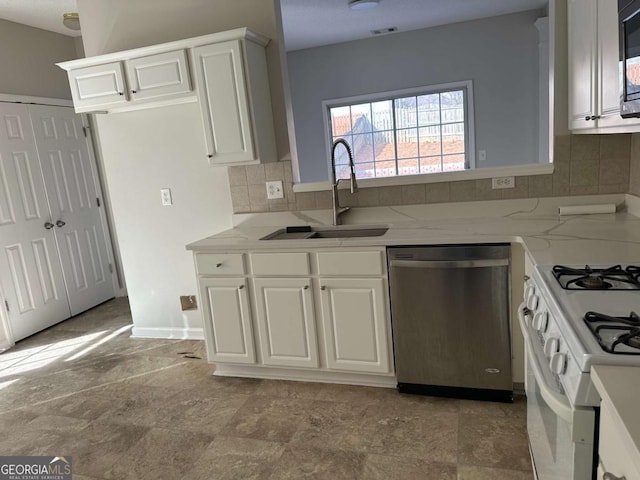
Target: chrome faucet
{"type": "Point", "coordinates": [337, 210]}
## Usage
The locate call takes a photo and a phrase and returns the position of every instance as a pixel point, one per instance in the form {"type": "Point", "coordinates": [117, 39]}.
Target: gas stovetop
{"type": "Point", "coordinates": [617, 335]}
{"type": "Point", "coordinates": [597, 278]}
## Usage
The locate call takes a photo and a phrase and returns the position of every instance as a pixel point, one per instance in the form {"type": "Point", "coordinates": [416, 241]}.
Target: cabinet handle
{"type": "Point", "coordinates": [595, 117]}
{"type": "Point", "coordinates": [133, 91]}
{"type": "Point", "coordinates": [587, 118]}
{"type": "Point", "coordinates": [120, 93]}
{"type": "Point", "coordinates": [306, 287]}
{"type": "Point", "coordinates": [526, 278]}
{"type": "Point", "coordinates": [611, 476]}
{"type": "Point", "coordinates": [218, 265]}
{"type": "Point", "coordinates": [209, 155]}
{"type": "Point", "coordinates": [323, 288]}
{"type": "Point", "coordinates": [49, 225]}
{"type": "Point", "coordinates": [241, 287]}
{"type": "Point", "coordinates": [60, 224]}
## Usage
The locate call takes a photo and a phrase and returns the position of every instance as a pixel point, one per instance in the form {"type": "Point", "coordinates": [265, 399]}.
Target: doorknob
{"type": "Point", "coordinates": [49, 225]}
{"type": "Point", "coordinates": [60, 224]}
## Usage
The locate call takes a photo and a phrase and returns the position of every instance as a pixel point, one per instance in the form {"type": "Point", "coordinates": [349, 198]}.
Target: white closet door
{"type": "Point", "coordinates": [71, 186]}
{"type": "Point", "coordinates": [30, 271]}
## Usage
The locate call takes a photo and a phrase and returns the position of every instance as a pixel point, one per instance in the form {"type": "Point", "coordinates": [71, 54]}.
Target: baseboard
{"type": "Point", "coordinates": [171, 333]}
{"type": "Point", "coordinates": [320, 376]}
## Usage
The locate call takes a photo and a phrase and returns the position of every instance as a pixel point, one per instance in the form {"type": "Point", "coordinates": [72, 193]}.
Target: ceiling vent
{"type": "Point", "coordinates": [384, 31]}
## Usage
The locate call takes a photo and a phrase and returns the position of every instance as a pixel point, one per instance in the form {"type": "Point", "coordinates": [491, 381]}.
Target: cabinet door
{"type": "Point", "coordinates": [286, 322]}
{"type": "Point", "coordinates": [582, 31]}
{"type": "Point", "coordinates": [224, 102]}
{"type": "Point", "coordinates": [158, 75]}
{"type": "Point", "coordinates": [97, 86]}
{"type": "Point", "coordinates": [227, 320]}
{"type": "Point", "coordinates": [354, 317]}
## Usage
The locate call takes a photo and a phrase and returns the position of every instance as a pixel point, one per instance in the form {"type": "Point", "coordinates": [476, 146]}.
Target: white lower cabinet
{"type": "Point", "coordinates": [227, 320]}
{"type": "Point", "coordinates": [614, 451]}
{"type": "Point", "coordinates": [286, 322]}
{"type": "Point", "coordinates": [354, 317]}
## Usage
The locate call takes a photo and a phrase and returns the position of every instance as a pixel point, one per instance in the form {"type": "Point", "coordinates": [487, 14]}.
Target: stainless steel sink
{"type": "Point", "coordinates": [309, 233]}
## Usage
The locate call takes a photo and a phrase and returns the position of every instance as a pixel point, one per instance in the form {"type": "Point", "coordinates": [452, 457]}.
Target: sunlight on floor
{"type": "Point", "coordinates": [13, 362]}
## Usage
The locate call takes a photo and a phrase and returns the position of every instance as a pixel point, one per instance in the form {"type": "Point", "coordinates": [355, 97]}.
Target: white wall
{"type": "Point", "coordinates": [143, 152]}
{"type": "Point", "coordinates": [147, 150]}
{"type": "Point", "coordinates": [499, 54]}
{"type": "Point", "coordinates": [28, 56]}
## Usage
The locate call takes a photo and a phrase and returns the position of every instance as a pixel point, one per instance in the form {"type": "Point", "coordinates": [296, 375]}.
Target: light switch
{"type": "Point", "coordinates": [165, 194]}
{"type": "Point", "coordinates": [274, 190]}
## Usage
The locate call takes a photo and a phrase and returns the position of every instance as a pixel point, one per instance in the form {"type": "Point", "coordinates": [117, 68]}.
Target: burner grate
{"type": "Point", "coordinates": [588, 278]}
{"type": "Point", "coordinates": [602, 326]}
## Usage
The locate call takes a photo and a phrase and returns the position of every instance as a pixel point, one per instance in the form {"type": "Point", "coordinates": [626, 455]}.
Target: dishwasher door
{"type": "Point", "coordinates": [450, 319]}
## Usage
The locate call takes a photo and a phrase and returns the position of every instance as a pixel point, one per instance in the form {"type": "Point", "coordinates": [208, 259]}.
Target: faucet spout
{"type": "Point", "coordinates": [337, 210]}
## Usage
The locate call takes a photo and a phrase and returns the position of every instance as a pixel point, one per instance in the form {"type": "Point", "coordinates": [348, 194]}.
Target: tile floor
{"type": "Point", "coordinates": [139, 409]}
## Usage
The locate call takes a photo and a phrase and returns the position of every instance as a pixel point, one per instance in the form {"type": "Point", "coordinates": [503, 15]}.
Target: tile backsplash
{"type": "Point", "coordinates": [583, 164]}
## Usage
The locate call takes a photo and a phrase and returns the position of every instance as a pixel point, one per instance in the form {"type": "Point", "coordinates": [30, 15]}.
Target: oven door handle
{"type": "Point", "coordinates": [556, 401]}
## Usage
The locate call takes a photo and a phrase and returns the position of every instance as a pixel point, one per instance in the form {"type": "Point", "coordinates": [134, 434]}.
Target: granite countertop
{"type": "Point", "coordinates": [547, 237]}
{"type": "Point", "coordinates": [620, 387]}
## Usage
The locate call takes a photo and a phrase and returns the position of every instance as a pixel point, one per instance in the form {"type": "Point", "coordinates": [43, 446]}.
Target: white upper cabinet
{"type": "Point", "coordinates": [231, 87]}
{"type": "Point", "coordinates": [98, 86]}
{"type": "Point", "coordinates": [594, 69]}
{"type": "Point", "coordinates": [158, 75]}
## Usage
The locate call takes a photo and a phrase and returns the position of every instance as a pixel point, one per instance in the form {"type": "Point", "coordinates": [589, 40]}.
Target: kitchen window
{"type": "Point", "coordinates": [408, 132]}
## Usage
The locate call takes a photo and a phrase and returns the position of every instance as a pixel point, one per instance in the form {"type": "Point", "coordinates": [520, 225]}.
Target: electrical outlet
{"type": "Point", "coordinates": [482, 156]}
{"type": "Point", "coordinates": [503, 182]}
{"type": "Point", "coordinates": [165, 194]}
{"type": "Point", "coordinates": [188, 302]}
{"type": "Point", "coordinates": [274, 190]}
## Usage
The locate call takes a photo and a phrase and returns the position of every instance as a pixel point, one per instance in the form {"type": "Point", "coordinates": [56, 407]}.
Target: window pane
{"type": "Point", "coordinates": [384, 145]}
{"type": "Point", "coordinates": [453, 162]}
{"type": "Point", "coordinates": [362, 148]}
{"type": "Point", "coordinates": [452, 106]}
{"type": "Point", "coordinates": [429, 109]}
{"type": "Point", "coordinates": [365, 170]}
{"type": "Point", "coordinates": [407, 142]}
{"type": "Point", "coordinates": [453, 138]}
{"type": "Point", "coordinates": [382, 115]}
{"type": "Point", "coordinates": [386, 169]}
{"type": "Point", "coordinates": [340, 121]}
{"type": "Point", "coordinates": [406, 113]}
{"type": "Point", "coordinates": [431, 164]}
{"type": "Point", "coordinates": [361, 118]}
{"type": "Point", "coordinates": [409, 166]}
{"type": "Point", "coordinates": [430, 141]}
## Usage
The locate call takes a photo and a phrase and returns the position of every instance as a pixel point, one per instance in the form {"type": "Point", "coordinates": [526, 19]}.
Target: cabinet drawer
{"type": "Point", "coordinates": [351, 263]}
{"type": "Point", "coordinates": [280, 263]}
{"type": "Point", "coordinates": [220, 264]}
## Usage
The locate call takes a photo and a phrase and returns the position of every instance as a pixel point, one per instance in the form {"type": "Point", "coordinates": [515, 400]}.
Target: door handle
{"type": "Point", "coordinates": [60, 224]}
{"type": "Point", "coordinates": [49, 225]}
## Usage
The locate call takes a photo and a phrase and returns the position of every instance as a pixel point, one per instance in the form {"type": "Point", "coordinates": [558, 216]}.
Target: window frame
{"type": "Point", "coordinates": [469, 117]}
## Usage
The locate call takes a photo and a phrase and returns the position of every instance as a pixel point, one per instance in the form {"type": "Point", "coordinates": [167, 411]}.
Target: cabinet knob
{"type": "Point", "coordinates": [611, 476]}
{"type": "Point", "coordinates": [306, 287]}
{"type": "Point", "coordinates": [323, 288]}
{"type": "Point", "coordinates": [526, 278]}
{"type": "Point", "coordinates": [241, 287]}
{"type": "Point", "coordinates": [120, 93]}
{"type": "Point", "coordinates": [209, 155]}
{"type": "Point", "coordinates": [133, 91]}
{"type": "Point", "coordinates": [595, 117]}
{"type": "Point", "coordinates": [60, 224]}
{"type": "Point", "coordinates": [587, 118]}
{"type": "Point", "coordinates": [49, 225]}
{"type": "Point", "coordinates": [218, 265]}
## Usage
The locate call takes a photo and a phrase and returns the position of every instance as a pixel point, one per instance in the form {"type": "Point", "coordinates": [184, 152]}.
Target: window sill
{"type": "Point", "coordinates": [476, 174]}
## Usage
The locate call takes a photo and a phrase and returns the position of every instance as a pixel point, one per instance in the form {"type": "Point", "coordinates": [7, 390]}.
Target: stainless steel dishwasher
{"type": "Point", "coordinates": [450, 320]}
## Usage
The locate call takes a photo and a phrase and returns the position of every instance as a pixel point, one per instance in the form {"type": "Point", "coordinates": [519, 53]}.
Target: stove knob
{"type": "Point", "coordinates": [532, 302]}
{"type": "Point", "coordinates": [541, 321]}
{"type": "Point", "coordinates": [530, 290]}
{"type": "Point", "coordinates": [558, 363]}
{"type": "Point", "coordinates": [551, 346]}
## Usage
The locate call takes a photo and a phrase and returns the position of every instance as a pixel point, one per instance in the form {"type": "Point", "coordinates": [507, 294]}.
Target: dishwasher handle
{"type": "Point", "coordinates": [499, 262]}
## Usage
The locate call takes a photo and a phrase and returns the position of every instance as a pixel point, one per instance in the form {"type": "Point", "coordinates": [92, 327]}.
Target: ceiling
{"type": "Point", "coordinates": [312, 23]}
{"type": "Point", "coordinates": [44, 14]}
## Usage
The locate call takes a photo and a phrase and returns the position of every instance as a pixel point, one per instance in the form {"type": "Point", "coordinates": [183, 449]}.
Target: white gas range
{"type": "Point", "coordinates": [573, 318]}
